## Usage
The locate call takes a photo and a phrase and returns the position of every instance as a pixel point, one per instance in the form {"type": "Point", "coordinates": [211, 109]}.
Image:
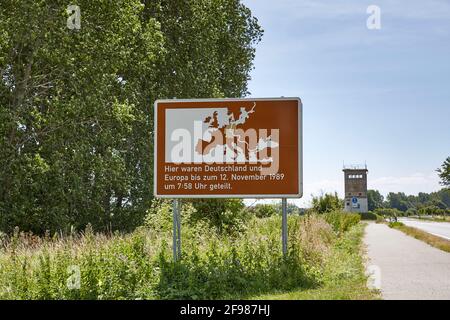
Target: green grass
{"type": "Point", "coordinates": [344, 291]}
{"type": "Point", "coordinates": [432, 240]}
{"type": "Point", "coordinates": [324, 260]}
{"type": "Point", "coordinates": [435, 218]}
{"type": "Point", "coordinates": [344, 274]}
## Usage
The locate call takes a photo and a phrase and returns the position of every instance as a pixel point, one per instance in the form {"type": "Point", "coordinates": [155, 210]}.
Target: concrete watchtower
{"type": "Point", "coordinates": [355, 199]}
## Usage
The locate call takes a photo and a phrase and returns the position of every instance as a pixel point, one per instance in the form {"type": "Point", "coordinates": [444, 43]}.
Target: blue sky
{"type": "Point", "coordinates": [380, 96]}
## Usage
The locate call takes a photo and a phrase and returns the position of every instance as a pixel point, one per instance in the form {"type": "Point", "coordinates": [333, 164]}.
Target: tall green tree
{"type": "Point", "coordinates": [76, 116]}
{"type": "Point", "coordinates": [72, 104]}
{"type": "Point", "coordinates": [375, 199]}
{"type": "Point", "coordinates": [423, 202]}
{"type": "Point", "coordinates": [398, 201]}
{"type": "Point", "coordinates": [444, 173]}
{"type": "Point", "coordinates": [210, 47]}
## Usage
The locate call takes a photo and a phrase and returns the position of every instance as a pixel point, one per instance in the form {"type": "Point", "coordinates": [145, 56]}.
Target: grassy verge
{"type": "Point", "coordinates": [344, 274]}
{"type": "Point", "coordinates": [432, 240]}
{"type": "Point", "coordinates": [324, 261]}
{"type": "Point", "coordinates": [435, 219]}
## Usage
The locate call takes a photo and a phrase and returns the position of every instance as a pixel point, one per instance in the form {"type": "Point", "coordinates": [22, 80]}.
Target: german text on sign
{"type": "Point", "coordinates": [228, 148]}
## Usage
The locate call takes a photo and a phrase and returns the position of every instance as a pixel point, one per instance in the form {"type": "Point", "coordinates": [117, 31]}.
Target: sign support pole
{"type": "Point", "coordinates": [176, 246]}
{"type": "Point", "coordinates": [179, 229]}
{"type": "Point", "coordinates": [284, 227]}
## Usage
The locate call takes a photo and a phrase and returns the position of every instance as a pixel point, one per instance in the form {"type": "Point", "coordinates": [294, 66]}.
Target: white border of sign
{"type": "Point", "coordinates": [234, 196]}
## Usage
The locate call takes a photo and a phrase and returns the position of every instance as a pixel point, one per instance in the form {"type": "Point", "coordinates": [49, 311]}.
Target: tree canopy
{"type": "Point", "coordinates": [444, 173]}
{"type": "Point", "coordinates": [374, 199]}
{"type": "Point", "coordinates": [424, 203]}
{"type": "Point", "coordinates": [76, 116]}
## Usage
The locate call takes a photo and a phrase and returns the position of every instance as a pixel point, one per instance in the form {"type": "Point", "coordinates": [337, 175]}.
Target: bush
{"type": "Point", "coordinates": [109, 268]}
{"type": "Point", "coordinates": [411, 212]}
{"type": "Point", "coordinates": [327, 203]}
{"type": "Point", "coordinates": [431, 211]}
{"type": "Point", "coordinates": [263, 210]}
{"type": "Point", "coordinates": [139, 266]}
{"type": "Point", "coordinates": [225, 215]}
{"type": "Point", "coordinates": [388, 212]}
{"type": "Point", "coordinates": [159, 217]}
{"type": "Point", "coordinates": [230, 271]}
{"type": "Point", "coordinates": [395, 224]}
{"type": "Point", "coordinates": [368, 215]}
{"type": "Point", "coordinates": [342, 221]}
{"type": "Point", "coordinates": [380, 219]}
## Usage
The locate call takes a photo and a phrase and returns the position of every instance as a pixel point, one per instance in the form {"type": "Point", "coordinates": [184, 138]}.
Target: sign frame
{"type": "Point", "coordinates": [229, 196]}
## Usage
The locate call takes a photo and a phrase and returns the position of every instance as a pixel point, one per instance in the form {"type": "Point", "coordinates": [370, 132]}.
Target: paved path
{"type": "Point", "coordinates": [409, 268]}
{"type": "Point", "coordinates": [440, 229]}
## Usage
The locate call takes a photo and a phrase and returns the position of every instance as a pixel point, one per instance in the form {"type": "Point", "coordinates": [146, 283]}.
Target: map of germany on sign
{"type": "Point", "coordinates": [228, 148]}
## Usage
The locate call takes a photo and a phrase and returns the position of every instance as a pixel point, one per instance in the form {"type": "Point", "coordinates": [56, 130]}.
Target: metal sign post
{"type": "Point", "coordinates": [176, 246]}
{"type": "Point", "coordinates": [179, 228]}
{"type": "Point", "coordinates": [174, 231]}
{"type": "Point", "coordinates": [284, 228]}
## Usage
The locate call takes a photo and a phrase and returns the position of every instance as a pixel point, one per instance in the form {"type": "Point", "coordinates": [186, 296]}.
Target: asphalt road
{"type": "Point", "coordinates": [408, 268]}
{"type": "Point", "coordinates": [440, 229]}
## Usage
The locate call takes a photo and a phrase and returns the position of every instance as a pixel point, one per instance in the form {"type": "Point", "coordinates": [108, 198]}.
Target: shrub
{"type": "Point", "coordinates": [342, 221]}
{"type": "Point", "coordinates": [225, 215]}
{"type": "Point", "coordinates": [368, 215]}
{"type": "Point", "coordinates": [388, 212]}
{"type": "Point", "coordinates": [139, 266]}
{"type": "Point", "coordinates": [327, 203]}
{"type": "Point", "coordinates": [263, 210]}
{"type": "Point", "coordinates": [226, 272]}
{"type": "Point", "coordinates": [430, 211]}
{"type": "Point", "coordinates": [380, 219]}
{"type": "Point", "coordinates": [395, 224]}
{"type": "Point", "coordinates": [411, 212]}
{"type": "Point", "coordinates": [110, 268]}
{"type": "Point", "coordinates": [159, 217]}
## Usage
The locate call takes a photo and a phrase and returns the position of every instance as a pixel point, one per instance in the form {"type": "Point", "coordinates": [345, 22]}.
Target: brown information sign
{"type": "Point", "coordinates": [230, 148]}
